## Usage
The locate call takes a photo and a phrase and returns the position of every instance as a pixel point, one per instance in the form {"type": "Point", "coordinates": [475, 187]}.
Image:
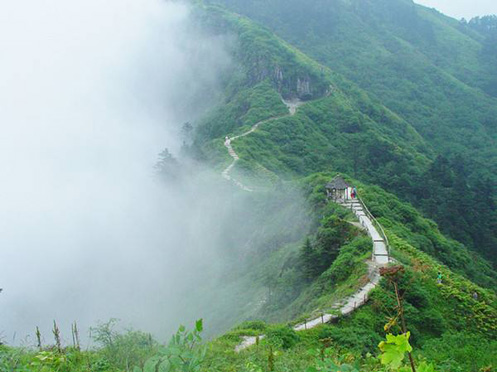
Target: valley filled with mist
{"type": "Point", "coordinates": [90, 96]}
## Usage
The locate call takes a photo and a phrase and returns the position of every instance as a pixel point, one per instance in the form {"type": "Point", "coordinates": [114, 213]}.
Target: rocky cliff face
{"type": "Point", "coordinates": [288, 83]}
{"type": "Point", "coordinates": [303, 87]}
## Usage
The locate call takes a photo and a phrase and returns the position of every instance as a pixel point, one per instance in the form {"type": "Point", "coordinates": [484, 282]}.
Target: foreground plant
{"type": "Point", "coordinates": [48, 361]}
{"type": "Point", "coordinates": [394, 348]}
{"type": "Point", "coordinates": [183, 353]}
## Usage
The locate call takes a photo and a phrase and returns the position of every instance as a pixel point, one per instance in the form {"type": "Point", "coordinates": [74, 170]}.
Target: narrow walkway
{"type": "Point", "coordinates": [344, 307]}
{"type": "Point", "coordinates": [360, 297]}
{"type": "Point", "coordinates": [292, 105]}
{"type": "Point", "coordinates": [366, 220]}
{"type": "Point", "coordinates": [380, 252]}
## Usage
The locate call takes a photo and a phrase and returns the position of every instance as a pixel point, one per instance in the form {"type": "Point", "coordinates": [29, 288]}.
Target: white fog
{"type": "Point", "coordinates": [90, 95]}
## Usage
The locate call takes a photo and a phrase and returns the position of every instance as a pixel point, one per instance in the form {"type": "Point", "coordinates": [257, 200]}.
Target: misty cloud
{"type": "Point", "coordinates": [90, 93]}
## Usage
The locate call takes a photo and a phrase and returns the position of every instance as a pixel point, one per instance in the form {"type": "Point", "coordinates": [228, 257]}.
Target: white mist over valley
{"type": "Point", "coordinates": [90, 94]}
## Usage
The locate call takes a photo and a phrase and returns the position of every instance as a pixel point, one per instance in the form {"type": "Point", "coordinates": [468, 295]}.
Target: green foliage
{"type": "Point", "coordinates": [281, 336]}
{"type": "Point", "coordinates": [316, 258]}
{"type": "Point", "coordinates": [425, 367]}
{"type": "Point", "coordinates": [183, 353]}
{"type": "Point", "coordinates": [396, 95]}
{"type": "Point", "coordinates": [355, 336]}
{"type": "Point", "coordinates": [461, 352]}
{"type": "Point", "coordinates": [330, 366]}
{"type": "Point", "coordinates": [51, 360]}
{"type": "Point", "coordinates": [123, 350]}
{"type": "Point", "coordinates": [46, 361]}
{"type": "Point", "coordinates": [407, 223]}
{"type": "Point", "coordinates": [342, 267]}
{"type": "Point", "coordinates": [245, 108]}
{"type": "Point", "coordinates": [394, 349]}
{"type": "Point", "coordinates": [119, 352]}
{"type": "Point", "coordinates": [463, 207]}
{"type": "Point", "coordinates": [256, 325]}
{"type": "Point", "coordinates": [418, 86]}
{"type": "Point", "coordinates": [309, 258]}
{"type": "Point", "coordinates": [462, 309]}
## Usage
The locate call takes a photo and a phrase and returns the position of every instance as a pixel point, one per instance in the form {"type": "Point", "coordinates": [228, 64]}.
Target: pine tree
{"type": "Point", "coordinates": [309, 260]}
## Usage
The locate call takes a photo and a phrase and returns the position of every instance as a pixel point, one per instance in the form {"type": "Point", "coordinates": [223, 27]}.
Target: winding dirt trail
{"type": "Point", "coordinates": [292, 105]}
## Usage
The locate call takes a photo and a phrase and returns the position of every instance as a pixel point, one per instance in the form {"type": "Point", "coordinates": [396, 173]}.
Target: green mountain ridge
{"type": "Point", "coordinates": [399, 100]}
{"type": "Point", "coordinates": [376, 122]}
{"type": "Point", "coordinates": [388, 114]}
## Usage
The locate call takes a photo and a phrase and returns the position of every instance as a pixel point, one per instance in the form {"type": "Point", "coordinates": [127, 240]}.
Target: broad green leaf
{"type": "Point", "coordinates": [394, 349]}
{"type": "Point", "coordinates": [199, 325]}
{"type": "Point", "coordinates": [424, 367]}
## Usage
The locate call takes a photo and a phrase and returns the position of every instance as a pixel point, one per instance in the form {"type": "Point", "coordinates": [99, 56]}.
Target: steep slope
{"type": "Point", "coordinates": [453, 312]}
{"type": "Point", "coordinates": [427, 69]}
{"type": "Point", "coordinates": [486, 28]}
{"type": "Point", "coordinates": [404, 226]}
{"type": "Point", "coordinates": [339, 126]}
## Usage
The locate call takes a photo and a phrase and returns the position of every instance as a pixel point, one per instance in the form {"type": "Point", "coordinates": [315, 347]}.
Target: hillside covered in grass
{"type": "Point", "coordinates": [397, 97]}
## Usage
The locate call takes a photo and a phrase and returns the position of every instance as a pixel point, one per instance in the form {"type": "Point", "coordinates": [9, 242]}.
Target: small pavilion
{"type": "Point", "coordinates": [338, 190]}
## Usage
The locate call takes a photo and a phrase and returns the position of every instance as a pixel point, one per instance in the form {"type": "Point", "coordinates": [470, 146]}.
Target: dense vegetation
{"type": "Point", "coordinates": [487, 26]}
{"type": "Point", "coordinates": [409, 108]}
{"type": "Point", "coordinates": [458, 314]}
{"type": "Point", "coordinates": [407, 85]}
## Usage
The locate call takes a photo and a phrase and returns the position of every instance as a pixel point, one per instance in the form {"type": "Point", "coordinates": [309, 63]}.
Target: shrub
{"type": "Point", "coordinates": [461, 352]}
{"type": "Point", "coordinates": [257, 325]}
{"type": "Point", "coordinates": [282, 336]}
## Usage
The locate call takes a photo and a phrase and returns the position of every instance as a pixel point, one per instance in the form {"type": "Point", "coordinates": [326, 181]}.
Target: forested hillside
{"type": "Point", "coordinates": [431, 73]}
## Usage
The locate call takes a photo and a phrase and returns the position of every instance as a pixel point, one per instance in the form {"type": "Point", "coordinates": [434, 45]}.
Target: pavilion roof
{"type": "Point", "coordinates": [337, 183]}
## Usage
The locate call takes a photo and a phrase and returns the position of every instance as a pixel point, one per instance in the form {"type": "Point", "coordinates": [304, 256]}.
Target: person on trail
{"type": "Point", "coordinates": [475, 296]}
{"type": "Point", "coordinates": [439, 278]}
{"type": "Point", "coordinates": [354, 191]}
